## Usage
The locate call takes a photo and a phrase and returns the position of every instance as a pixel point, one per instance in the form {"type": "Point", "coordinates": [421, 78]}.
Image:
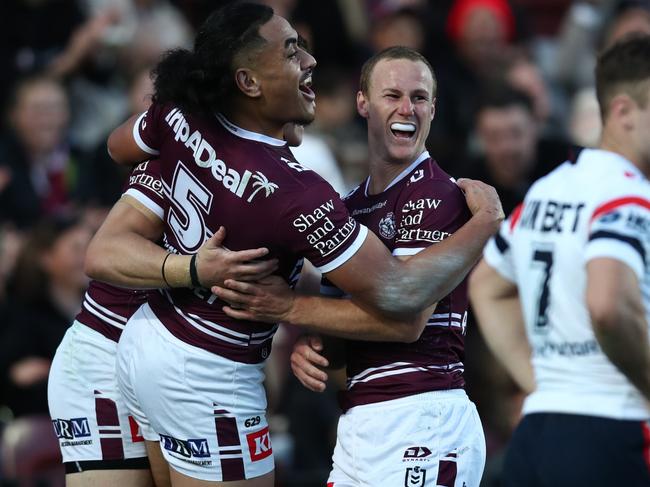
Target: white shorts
{"type": "Point", "coordinates": [434, 439]}
{"type": "Point", "coordinates": [88, 413]}
{"type": "Point", "coordinates": [207, 412]}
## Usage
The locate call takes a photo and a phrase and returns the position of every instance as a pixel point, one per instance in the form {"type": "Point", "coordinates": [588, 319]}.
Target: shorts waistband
{"type": "Point", "coordinates": [415, 398]}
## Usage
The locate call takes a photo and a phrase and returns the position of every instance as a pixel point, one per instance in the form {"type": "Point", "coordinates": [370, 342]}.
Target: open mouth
{"type": "Point", "coordinates": [305, 87]}
{"type": "Point", "coordinates": [403, 130]}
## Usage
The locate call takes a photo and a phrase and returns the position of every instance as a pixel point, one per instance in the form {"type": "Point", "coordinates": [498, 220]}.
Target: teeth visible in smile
{"type": "Point", "coordinates": [403, 127]}
{"type": "Point", "coordinates": [306, 82]}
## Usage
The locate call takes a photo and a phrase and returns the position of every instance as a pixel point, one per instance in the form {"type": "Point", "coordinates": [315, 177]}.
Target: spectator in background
{"type": "Point", "coordinates": [589, 25]}
{"type": "Point", "coordinates": [314, 153]}
{"type": "Point", "coordinates": [584, 120]}
{"type": "Point", "coordinates": [141, 31]}
{"type": "Point", "coordinates": [46, 290]}
{"type": "Point", "coordinates": [401, 27]}
{"type": "Point", "coordinates": [100, 179]}
{"type": "Point", "coordinates": [35, 158]}
{"type": "Point", "coordinates": [337, 123]}
{"type": "Point", "coordinates": [34, 34]}
{"type": "Point", "coordinates": [513, 154]}
{"type": "Point", "coordinates": [482, 33]}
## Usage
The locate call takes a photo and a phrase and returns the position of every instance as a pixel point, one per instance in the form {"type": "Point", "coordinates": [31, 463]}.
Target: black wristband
{"type": "Point", "coordinates": [163, 269]}
{"type": "Point", "coordinates": [194, 275]}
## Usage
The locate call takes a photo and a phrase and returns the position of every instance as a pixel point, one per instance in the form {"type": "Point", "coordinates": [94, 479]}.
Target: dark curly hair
{"type": "Point", "coordinates": [201, 81]}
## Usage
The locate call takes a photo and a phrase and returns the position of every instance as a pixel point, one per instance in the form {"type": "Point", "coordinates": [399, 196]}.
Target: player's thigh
{"type": "Point", "coordinates": [88, 413]}
{"type": "Point", "coordinates": [180, 480]}
{"type": "Point", "coordinates": [208, 412]}
{"type": "Point", "coordinates": [158, 464]}
{"type": "Point", "coordinates": [110, 478]}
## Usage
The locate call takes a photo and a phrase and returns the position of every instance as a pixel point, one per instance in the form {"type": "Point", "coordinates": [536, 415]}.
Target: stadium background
{"type": "Point", "coordinates": [515, 92]}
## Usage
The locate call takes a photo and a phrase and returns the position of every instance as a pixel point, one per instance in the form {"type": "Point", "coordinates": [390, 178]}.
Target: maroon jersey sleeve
{"type": "Point", "coordinates": [146, 130]}
{"type": "Point", "coordinates": [144, 184]}
{"type": "Point", "coordinates": [316, 225]}
{"type": "Point", "coordinates": [429, 211]}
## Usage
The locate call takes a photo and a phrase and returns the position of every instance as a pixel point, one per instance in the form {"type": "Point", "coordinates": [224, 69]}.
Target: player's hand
{"type": "Point", "coordinates": [269, 299]}
{"type": "Point", "coordinates": [215, 264]}
{"type": "Point", "coordinates": [306, 360]}
{"type": "Point", "coordinates": [482, 199]}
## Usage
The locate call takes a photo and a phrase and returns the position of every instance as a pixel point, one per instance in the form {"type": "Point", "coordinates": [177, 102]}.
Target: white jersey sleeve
{"type": "Point", "coordinates": [497, 251]}
{"type": "Point", "coordinates": [620, 229]}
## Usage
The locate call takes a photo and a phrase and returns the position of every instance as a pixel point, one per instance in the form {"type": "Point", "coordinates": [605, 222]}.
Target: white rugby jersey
{"type": "Point", "coordinates": [598, 207]}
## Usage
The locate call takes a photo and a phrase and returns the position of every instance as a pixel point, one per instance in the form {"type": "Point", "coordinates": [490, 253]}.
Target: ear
{"type": "Point", "coordinates": [248, 83]}
{"type": "Point", "coordinates": [621, 109]}
{"type": "Point", "coordinates": [433, 108]}
{"type": "Point", "coordinates": [362, 104]}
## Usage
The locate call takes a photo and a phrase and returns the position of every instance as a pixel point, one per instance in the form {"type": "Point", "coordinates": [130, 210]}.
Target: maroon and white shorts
{"type": "Point", "coordinates": [88, 413]}
{"type": "Point", "coordinates": [208, 412]}
{"type": "Point", "coordinates": [433, 439]}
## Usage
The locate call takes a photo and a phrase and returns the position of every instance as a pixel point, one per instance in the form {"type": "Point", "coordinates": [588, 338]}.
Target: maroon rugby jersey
{"type": "Point", "coordinates": [214, 174]}
{"type": "Point", "coordinates": [421, 207]}
{"type": "Point", "coordinates": [107, 308]}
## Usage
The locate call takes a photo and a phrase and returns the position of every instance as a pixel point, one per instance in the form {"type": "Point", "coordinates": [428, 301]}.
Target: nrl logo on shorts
{"type": "Point", "coordinates": [387, 227]}
{"type": "Point", "coordinates": [415, 477]}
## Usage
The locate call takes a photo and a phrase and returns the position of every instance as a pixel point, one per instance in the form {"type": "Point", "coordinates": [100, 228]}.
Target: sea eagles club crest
{"type": "Point", "coordinates": [387, 226]}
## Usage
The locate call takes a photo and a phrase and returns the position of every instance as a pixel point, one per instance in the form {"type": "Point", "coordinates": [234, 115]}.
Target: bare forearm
{"type": "Point", "coordinates": [132, 261]}
{"type": "Point", "coordinates": [502, 326]}
{"type": "Point", "coordinates": [344, 319]}
{"type": "Point", "coordinates": [435, 272]}
{"type": "Point", "coordinates": [123, 253]}
{"type": "Point", "coordinates": [625, 343]}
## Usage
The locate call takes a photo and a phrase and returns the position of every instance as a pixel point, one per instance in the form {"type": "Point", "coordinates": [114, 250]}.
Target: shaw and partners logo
{"type": "Point", "coordinates": [322, 234]}
{"type": "Point", "coordinates": [188, 449]}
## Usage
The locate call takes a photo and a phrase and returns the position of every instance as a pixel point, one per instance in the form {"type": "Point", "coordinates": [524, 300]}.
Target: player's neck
{"type": "Point", "coordinates": [382, 173]}
{"type": "Point", "coordinates": [625, 149]}
{"type": "Point", "coordinates": [251, 121]}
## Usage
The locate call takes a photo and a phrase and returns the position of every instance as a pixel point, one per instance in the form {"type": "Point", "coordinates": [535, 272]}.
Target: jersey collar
{"type": "Point", "coordinates": [609, 159]}
{"type": "Point", "coordinates": [424, 156]}
{"type": "Point", "coordinates": [247, 134]}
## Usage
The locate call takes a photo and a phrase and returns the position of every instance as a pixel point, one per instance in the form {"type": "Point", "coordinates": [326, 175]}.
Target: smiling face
{"type": "Point", "coordinates": [399, 107]}
{"type": "Point", "coordinates": [283, 72]}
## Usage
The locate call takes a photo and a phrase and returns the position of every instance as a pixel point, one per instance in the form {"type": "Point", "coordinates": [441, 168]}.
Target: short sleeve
{"type": "Point", "coordinates": [145, 185]}
{"type": "Point", "coordinates": [316, 225]}
{"type": "Point", "coordinates": [620, 229]}
{"type": "Point", "coordinates": [498, 253]}
{"type": "Point", "coordinates": [146, 130]}
{"type": "Point", "coordinates": [429, 212]}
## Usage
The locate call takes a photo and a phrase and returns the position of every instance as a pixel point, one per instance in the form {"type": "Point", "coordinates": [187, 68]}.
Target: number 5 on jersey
{"type": "Point", "coordinates": [190, 203]}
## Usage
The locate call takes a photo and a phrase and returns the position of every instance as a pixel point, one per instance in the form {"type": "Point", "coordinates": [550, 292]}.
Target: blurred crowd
{"type": "Point", "coordinates": [515, 94]}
